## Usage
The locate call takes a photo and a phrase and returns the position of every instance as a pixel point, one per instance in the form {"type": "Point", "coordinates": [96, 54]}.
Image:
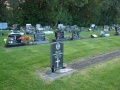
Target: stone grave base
{"type": "Point", "coordinates": [49, 76]}
{"type": "Point", "coordinates": [41, 42]}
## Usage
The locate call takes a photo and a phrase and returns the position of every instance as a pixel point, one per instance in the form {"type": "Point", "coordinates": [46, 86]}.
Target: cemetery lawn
{"type": "Point", "coordinates": [19, 65]}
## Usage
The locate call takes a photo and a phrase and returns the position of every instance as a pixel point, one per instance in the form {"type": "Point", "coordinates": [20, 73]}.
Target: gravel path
{"type": "Point", "coordinates": [94, 60]}
{"type": "Point", "coordinates": [79, 66]}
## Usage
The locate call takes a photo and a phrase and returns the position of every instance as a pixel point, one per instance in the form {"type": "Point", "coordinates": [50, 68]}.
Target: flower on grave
{"type": "Point", "coordinates": [26, 39]}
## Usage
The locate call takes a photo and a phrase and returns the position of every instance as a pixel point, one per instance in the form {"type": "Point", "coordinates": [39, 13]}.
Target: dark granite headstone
{"type": "Point", "coordinates": [56, 56]}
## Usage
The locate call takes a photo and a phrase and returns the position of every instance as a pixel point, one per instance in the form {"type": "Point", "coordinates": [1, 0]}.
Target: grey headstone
{"type": "Point", "coordinates": [118, 31]}
{"type": "Point", "coordinates": [81, 29]}
{"type": "Point", "coordinates": [39, 37]}
{"type": "Point", "coordinates": [75, 35]}
{"type": "Point", "coordinates": [56, 56]}
{"type": "Point", "coordinates": [59, 35]}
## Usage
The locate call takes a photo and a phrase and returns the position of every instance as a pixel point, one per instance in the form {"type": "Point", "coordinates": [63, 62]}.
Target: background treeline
{"type": "Point", "coordinates": [51, 12]}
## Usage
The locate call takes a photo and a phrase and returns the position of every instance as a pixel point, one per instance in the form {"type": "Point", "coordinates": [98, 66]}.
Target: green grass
{"type": "Point", "coordinates": [18, 65]}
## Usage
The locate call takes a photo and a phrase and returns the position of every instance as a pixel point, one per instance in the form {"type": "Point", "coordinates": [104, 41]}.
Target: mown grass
{"type": "Point", "coordinates": [18, 65]}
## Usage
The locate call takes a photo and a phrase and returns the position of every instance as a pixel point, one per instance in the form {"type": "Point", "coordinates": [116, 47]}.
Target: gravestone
{"type": "Point", "coordinates": [118, 31]}
{"type": "Point", "coordinates": [81, 29]}
{"type": "Point", "coordinates": [67, 28]}
{"type": "Point", "coordinates": [30, 29]}
{"type": "Point", "coordinates": [92, 26]}
{"type": "Point", "coordinates": [48, 30]}
{"type": "Point", "coordinates": [75, 35]}
{"type": "Point", "coordinates": [104, 33]}
{"type": "Point", "coordinates": [39, 27]}
{"type": "Point", "coordinates": [95, 28]}
{"type": "Point", "coordinates": [16, 27]}
{"type": "Point", "coordinates": [72, 28]}
{"type": "Point", "coordinates": [59, 35]}
{"type": "Point", "coordinates": [56, 56]}
{"type": "Point", "coordinates": [76, 27]}
{"type": "Point", "coordinates": [61, 27]}
{"type": "Point", "coordinates": [39, 37]}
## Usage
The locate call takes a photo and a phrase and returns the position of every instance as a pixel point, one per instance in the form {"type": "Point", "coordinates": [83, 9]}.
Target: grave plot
{"type": "Point", "coordinates": [57, 69]}
{"type": "Point", "coordinates": [15, 40]}
{"type": "Point", "coordinates": [39, 38]}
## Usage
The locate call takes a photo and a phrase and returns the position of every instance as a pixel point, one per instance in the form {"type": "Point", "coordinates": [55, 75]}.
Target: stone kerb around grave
{"type": "Point", "coordinates": [56, 54]}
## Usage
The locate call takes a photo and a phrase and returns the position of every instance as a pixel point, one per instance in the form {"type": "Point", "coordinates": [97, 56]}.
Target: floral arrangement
{"type": "Point", "coordinates": [25, 39]}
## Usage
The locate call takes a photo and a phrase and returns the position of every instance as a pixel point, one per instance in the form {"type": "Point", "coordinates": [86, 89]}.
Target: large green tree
{"type": "Point", "coordinates": [3, 11]}
{"type": "Point", "coordinates": [50, 12]}
{"type": "Point", "coordinates": [110, 12]}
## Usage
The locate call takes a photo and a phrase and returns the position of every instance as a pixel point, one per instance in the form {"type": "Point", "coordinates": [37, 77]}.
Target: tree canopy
{"type": "Point", "coordinates": [50, 12]}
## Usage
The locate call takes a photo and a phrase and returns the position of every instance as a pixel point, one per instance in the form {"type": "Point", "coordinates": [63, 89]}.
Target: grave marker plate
{"type": "Point", "coordinates": [56, 56]}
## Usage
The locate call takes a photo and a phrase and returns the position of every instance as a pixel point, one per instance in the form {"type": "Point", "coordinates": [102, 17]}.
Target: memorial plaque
{"type": "Point", "coordinates": [56, 56]}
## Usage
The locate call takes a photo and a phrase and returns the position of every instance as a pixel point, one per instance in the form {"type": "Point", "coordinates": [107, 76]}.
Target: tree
{"type": "Point", "coordinates": [3, 10]}
{"type": "Point", "coordinates": [110, 12]}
